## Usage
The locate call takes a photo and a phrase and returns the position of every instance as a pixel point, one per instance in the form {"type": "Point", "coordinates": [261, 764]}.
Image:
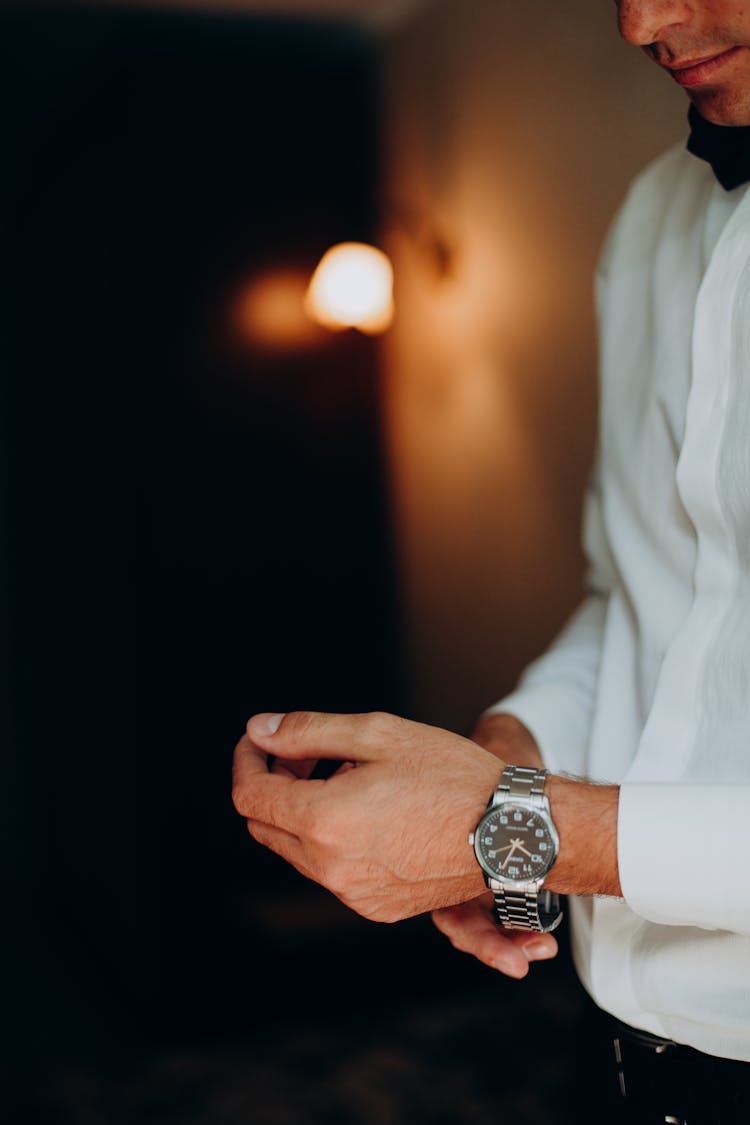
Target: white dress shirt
{"type": "Point", "coordinates": [649, 684]}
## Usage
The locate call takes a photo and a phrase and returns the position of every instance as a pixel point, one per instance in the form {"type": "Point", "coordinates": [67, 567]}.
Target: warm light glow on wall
{"type": "Point", "coordinates": [270, 311]}
{"type": "Point", "coordinates": [352, 288]}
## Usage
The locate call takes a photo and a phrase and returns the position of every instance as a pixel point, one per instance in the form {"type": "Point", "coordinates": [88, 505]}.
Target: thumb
{"type": "Point", "coordinates": [315, 734]}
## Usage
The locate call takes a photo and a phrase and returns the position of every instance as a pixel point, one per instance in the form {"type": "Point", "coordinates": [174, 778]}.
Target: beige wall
{"type": "Point", "coordinates": [512, 128]}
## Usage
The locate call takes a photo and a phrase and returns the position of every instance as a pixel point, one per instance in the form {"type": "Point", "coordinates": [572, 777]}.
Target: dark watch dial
{"type": "Point", "coordinates": [514, 844]}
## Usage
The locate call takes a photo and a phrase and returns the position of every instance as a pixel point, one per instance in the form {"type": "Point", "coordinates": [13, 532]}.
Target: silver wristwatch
{"type": "Point", "coordinates": [516, 844]}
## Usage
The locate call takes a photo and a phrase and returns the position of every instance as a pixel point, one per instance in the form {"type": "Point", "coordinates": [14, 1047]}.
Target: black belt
{"type": "Point", "coordinates": [665, 1083]}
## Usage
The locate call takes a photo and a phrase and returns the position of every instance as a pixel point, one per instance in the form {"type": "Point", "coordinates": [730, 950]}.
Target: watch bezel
{"type": "Point", "coordinates": [527, 806]}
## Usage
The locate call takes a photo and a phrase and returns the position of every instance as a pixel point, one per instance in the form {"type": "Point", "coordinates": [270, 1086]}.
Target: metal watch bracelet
{"type": "Point", "coordinates": [529, 908]}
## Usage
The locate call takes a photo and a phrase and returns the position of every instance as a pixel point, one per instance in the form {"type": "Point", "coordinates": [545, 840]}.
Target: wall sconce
{"type": "Point", "coordinates": [284, 309]}
{"type": "Point", "coordinates": [352, 287]}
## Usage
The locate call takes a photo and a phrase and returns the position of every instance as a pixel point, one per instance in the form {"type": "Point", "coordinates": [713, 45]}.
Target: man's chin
{"type": "Point", "coordinates": [722, 107]}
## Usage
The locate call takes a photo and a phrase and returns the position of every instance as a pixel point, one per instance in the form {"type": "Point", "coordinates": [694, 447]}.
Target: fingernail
{"type": "Point", "coordinates": [264, 724]}
{"type": "Point", "coordinates": [538, 950]}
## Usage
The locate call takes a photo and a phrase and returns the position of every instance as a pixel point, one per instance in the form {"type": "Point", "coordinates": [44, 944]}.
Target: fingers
{"type": "Point", "coordinates": [276, 799]}
{"type": "Point", "coordinates": [471, 928]}
{"type": "Point", "coordinates": [291, 768]}
{"type": "Point", "coordinates": [314, 734]}
{"type": "Point", "coordinates": [285, 844]}
{"type": "Point", "coordinates": [305, 767]}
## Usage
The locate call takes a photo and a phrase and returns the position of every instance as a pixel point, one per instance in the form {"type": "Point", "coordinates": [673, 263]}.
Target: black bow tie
{"type": "Point", "coordinates": [725, 147]}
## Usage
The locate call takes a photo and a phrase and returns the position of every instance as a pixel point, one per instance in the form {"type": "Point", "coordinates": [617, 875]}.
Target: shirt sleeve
{"type": "Point", "coordinates": [555, 696]}
{"type": "Point", "coordinates": [682, 853]}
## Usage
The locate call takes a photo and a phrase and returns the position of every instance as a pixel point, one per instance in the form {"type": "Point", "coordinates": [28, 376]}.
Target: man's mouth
{"type": "Point", "coordinates": [694, 72]}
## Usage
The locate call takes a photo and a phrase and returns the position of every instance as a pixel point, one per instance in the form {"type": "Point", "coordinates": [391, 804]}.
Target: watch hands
{"type": "Point", "coordinates": [510, 848]}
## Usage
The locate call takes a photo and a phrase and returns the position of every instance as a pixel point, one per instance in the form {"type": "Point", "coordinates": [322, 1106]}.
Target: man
{"type": "Point", "coordinates": [647, 688]}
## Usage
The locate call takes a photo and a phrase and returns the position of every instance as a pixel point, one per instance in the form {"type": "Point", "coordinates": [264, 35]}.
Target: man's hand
{"type": "Point", "coordinates": [470, 927]}
{"type": "Point", "coordinates": [389, 836]}
{"type": "Point", "coordinates": [387, 833]}
{"type": "Point", "coordinates": [508, 739]}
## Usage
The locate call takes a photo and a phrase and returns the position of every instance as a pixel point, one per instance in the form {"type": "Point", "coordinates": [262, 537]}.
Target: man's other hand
{"type": "Point", "coordinates": [388, 832]}
{"type": "Point", "coordinates": [508, 739]}
{"type": "Point", "coordinates": [471, 928]}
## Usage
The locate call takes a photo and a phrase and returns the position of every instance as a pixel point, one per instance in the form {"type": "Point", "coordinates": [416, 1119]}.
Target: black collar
{"type": "Point", "coordinates": [725, 147]}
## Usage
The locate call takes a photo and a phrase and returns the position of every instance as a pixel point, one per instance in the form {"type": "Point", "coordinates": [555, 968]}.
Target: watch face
{"type": "Point", "coordinates": [515, 844]}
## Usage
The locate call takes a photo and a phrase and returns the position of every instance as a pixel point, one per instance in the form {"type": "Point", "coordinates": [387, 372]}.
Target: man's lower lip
{"type": "Point", "coordinates": [703, 71]}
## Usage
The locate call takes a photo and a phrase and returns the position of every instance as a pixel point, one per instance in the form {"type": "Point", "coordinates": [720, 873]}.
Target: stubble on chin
{"type": "Point", "coordinates": [723, 107]}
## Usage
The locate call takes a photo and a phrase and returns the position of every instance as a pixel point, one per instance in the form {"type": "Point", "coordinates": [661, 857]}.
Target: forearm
{"type": "Point", "coordinates": [585, 816]}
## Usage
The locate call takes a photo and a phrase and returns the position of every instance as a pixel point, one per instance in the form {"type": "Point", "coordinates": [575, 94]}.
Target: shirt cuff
{"type": "Point", "coordinates": [682, 854]}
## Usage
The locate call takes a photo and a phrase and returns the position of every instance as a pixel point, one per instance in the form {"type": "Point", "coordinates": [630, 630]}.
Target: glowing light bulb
{"type": "Point", "coordinates": [352, 287]}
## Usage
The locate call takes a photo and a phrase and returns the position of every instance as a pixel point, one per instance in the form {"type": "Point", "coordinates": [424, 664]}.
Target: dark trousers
{"type": "Point", "coordinates": [644, 1080]}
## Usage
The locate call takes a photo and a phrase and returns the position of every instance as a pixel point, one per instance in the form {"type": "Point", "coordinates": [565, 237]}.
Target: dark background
{"type": "Point", "coordinates": [200, 530]}
{"type": "Point", "coordinates": [196, 529]}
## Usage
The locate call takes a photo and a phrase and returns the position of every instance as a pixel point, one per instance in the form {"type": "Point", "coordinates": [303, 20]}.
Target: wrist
{"type": "Point", "coordinates": [516, 843]}
{"type": "Point", "coordinates": [585, 816]}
